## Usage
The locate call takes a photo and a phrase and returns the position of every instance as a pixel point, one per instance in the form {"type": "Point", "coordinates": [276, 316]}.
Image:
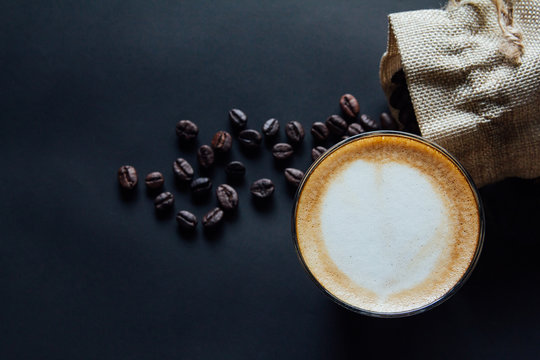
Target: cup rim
{"type": "Point", "coordinates": [457, 285]}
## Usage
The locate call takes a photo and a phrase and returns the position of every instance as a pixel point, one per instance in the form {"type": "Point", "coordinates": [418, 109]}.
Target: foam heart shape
{"type": "Point", "coordinates": [384, 225]}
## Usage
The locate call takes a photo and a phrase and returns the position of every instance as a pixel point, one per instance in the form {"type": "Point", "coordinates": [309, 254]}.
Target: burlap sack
{"type": "Point", "coordinates": [474, 92]}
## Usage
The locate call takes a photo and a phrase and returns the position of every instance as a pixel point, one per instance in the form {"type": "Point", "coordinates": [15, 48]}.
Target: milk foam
{"type": "Point", "coordinates": [384, 225]}
{"type": "Point", "coordinates": [387, 224]}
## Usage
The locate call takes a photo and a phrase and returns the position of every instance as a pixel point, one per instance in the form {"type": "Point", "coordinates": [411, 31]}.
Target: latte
{"type": "Point", "coordinates": [388, 224]}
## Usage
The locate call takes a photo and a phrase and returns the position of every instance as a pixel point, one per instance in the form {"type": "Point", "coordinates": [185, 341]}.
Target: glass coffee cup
{"type": "Point", "coordinates": [388, 224]}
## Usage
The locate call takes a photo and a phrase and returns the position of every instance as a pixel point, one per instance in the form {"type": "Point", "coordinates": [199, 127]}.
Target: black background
{"type": "Point", "coordinates": [87, 274]}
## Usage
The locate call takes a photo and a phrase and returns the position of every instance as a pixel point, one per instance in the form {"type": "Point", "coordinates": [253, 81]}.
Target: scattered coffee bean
{"type": "Point", "coordinates": [154, 180]}
{"type": "Point", "coordinates": [270, 127]}
{"type": "Point", "coordinates": [250, 139]}
{"type": "Point", "coordinates": [186, 220]}
{"type": "Point", "coordinates": [368, 123]}
{"type": "Point", "coordinates": [238, 119]}
{"type": "Point", "coordinates": [319, 131]}
{"type": "Point", "coordinates": [262, 188]}
{"type": "Point", "coordinates": [295, 132]}
{"type": "Point", "coordinates": [186, 130]}
{"type": "Point", "coordinates": [212, 218]}
{"type": "Point", "coordinates": [182, 170]}
{"type": "Point", "coordinates": [227, 197]}
{"type": "Point", "coordinates": [164, 201]}
{"type": "Point", "coordinates": [400, 97]}
{"type": "Point", "coordinates": [336, 124]}
{"type": "Point", "coordinates": [388, 122]}
{"type": "Point", "coordinates": [235, 170]}
{"type": "Point", "coordinates": [344, 137]}
{"type": "Point", "coordinates": [205, 156]}
{"type": "Point", "coordinates": [399, 77]}
{"type": "Point", "coordinates": [316, 152]}
{"type": "Point", "coordinates": [293, 176]}
{"type": "Point", "coordinates": [349, 106]}
{"type": "Point", "coordinates": [127, 177]}
{"type": "Point", "coordinates": [355, 129]}
{"type": "Point", "coordinates": [201, 186]}
{"type": "Point", "coordinates": [222, 142]}
{"type": "Point", "coordinates": [282, 151]}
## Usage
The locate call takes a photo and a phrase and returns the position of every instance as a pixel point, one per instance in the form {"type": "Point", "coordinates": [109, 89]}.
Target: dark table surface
{"type": "Point", "coordinates": [88, 274]}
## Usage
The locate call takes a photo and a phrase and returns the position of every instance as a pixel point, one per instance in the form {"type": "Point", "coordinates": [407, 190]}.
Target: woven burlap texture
{"type": "Point", "coordinates": [467, 96]}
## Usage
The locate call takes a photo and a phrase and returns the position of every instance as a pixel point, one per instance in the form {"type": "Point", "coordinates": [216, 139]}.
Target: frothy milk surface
{"type": "Point", "coordinates": [387, 224]}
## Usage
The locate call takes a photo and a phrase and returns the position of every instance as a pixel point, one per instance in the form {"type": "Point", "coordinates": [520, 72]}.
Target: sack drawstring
{"type": "Point", "coordinates": [513, 47]}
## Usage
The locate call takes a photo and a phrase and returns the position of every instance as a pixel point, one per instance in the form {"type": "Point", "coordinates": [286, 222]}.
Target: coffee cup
{"type": "Point", "coordinates": [388, 224]}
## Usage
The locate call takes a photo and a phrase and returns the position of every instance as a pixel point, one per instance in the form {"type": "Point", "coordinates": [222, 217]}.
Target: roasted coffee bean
{"type": "Point", "coordinates": [319, 131]}
{"type": "Point", "coordinates": [293, 176]}
{"type": "Point", "coordinates": [413, 128]}
{"type": "Point", "coordinates": [270, 127]}
{"type": "Point", "coordinates": [127, 177]}
{"type": "Point", "coordinates": [344, 137]}
{"type": "Point", "coordinates": [205, 156]}
{"type": "Point", "coordinates": [295, 132]}
{"type": "Point", "coordinates": [186, 130]}
{"type": "Point", "coordinates": [212, 218]}
{"type": "Point", "coordinates": [164, 201]}
{"type": "Point", "coordinates": [368, 123]}
{"type": "Point", "coordinates": [235, 170]}
{"type": "Point", "coordinates": [336, 124]}
{"type": "Point", "coordinates": [186, 220]}
{"type": "Point", "coordinates": [398, 77]}
{"type": "Point", "coordinates": [154, 180]}
{"type": "Point", "coordinates": [201, 186]}
{"type": "Point", "coordinates": [250, 139]}
{"type": "Point", "coordinates": [407, 115]}
{"type": "Point", "coordinates": [407, 118]}
{"type": "Point", "coordinates": [238, 119]}
{"type": "Point", "coordinates": [388, 122]}
{"type": "Point", "coordinates": [222, 142]}
{"type": "Point", "coordinates": [182, 170]}
{"type": "Point", "coordinates": [227, 197]}
{"type": "Point", "coordinates": [282, 151]}
{"type": "Point", "coordinates": [400, 97]}
{"type": "Point", "coordinates": [316, 152]}
{"type": "Point", "coordinates": [355, 129]}
{"type": "Point", "coordinates": [349, 106]}
{"type": "Point", "coordinates": [262, 188]}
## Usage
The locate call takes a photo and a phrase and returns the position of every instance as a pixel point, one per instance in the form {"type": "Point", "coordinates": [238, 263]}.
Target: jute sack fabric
{"type": "Point", "coordinates": [470, 94]}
